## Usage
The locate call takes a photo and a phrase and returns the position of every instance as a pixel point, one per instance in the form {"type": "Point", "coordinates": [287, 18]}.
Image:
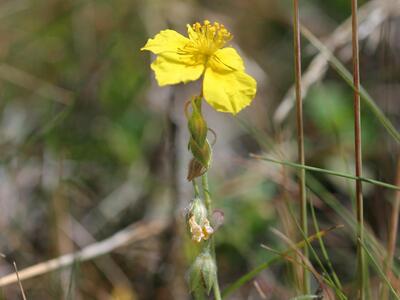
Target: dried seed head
{"type": "Point", "coordinates": [199, 226]}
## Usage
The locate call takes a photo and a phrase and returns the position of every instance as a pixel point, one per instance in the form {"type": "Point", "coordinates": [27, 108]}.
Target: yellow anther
{"type": "Point", "coordinates": [210, 37]}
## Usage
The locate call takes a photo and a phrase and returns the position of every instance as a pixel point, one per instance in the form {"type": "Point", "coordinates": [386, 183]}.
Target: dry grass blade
{"type": "Point", "coordinates": [259, 290]}
{"type": "Point", "coordinates": [304, 260]}
{"type": "Point", "coordinates": [250, 275]}
{"type": "Point", "coordinates": [133, 233]}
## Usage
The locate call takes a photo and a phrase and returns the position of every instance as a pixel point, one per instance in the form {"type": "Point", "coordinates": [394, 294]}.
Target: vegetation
{"type": "Point", "coordinates": [290, 199]}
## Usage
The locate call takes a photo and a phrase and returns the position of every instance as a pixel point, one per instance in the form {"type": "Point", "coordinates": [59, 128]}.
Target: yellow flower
{"type": "Point", "coordinates": [226, 86]}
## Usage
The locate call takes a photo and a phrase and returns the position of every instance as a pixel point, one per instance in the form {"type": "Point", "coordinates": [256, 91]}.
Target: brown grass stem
{"type": "Point", "coordinates": [300, 137]}
{"type": "Point", "coordinates": [361, 272]}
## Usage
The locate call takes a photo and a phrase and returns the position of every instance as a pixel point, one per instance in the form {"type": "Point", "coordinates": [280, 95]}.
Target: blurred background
{"type": "Point", "coordinates": [89, 144]}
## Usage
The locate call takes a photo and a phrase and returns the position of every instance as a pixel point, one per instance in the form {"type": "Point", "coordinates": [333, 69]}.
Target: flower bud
{"type": "Point", "coordinates": [198, 143]}
{"type": "Point", "coordinates": [203, 273]}
{"type": "Point", "coordinates": [196, 123]}
{"type": "Point", "coordinates": [202, 153]}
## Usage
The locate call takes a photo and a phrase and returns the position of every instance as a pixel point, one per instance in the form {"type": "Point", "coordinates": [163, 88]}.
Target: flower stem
{"type": "Point", "coordinates": [195, 188]}
{"type": "Point", "coordinates": [300, 138]}
{"type": "Point", "coordinates": [208, 203]}
{"type": "Point", "coordinates": [358, 157]}
{"type": "Point", "coordinates": [206, 191]}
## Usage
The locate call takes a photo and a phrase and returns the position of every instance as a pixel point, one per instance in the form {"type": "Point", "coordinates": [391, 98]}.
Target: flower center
{"type": "Point", "coordinates": [208, 37]}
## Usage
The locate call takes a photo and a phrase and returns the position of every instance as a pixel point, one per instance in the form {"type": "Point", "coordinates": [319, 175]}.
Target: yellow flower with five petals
{"type": "Point", "coordinates": [226, 85]}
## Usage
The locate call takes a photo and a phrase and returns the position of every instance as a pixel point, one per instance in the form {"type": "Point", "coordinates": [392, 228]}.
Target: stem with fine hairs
{"type": "Point", "coordinates": [358, 156]}
{"type": "Point", "coordinates": [300, 138]}
{"type": "Point", "coordinates": [208, 202]}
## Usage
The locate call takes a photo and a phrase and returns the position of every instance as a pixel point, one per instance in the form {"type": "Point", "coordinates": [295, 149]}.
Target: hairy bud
{"type": "Point", "coordinates": [203, 273]}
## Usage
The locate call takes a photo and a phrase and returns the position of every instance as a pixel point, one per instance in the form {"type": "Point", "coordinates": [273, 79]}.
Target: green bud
{"type": "Point", "coordinates": [197, 124]}
{"type": "Point", "coordinates": [198, 143]}
{"type": "Point", "coordinates": [203, 273]}
{"type": "Point", "coordinates": [202, 154]}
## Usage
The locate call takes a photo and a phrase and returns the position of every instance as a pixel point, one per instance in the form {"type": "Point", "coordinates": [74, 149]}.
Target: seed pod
{"type": "Point", "coordinates": [203, 273]}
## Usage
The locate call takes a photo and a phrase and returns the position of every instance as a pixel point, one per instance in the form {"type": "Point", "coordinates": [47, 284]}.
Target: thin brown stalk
{"type": "Point", "coordinates": [358, 156]}
{"type": "Point", "coordinates": [391, 246]}
{"type": "Point", "coordinates": [300, 136]}
{"type": "Point", "coordinates": [19, 282]}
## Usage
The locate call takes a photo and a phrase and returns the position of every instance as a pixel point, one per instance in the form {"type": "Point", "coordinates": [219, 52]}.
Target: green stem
{"type": "Point", "coordinates": [329, 172]}
{"type": "Point", "coordinates": [206, 191]}
{"type": "Point", "coordinates": [195, 188]}
{"type": "Point", "coordinates": [208, 203]}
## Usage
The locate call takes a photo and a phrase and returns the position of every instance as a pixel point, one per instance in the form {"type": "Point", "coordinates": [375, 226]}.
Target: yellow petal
{"type": "Point", "coordinates": [166, 41]}
{"type": "Point", "coordinates": [172, 71]}
{"type": "Point", "coordinates": [226, 60]}
{"type": "Point", "coordinates": [228, 91]}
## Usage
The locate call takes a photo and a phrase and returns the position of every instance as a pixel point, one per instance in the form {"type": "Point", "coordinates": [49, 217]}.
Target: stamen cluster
{"type": "Point", "coordinates": [210, 37]}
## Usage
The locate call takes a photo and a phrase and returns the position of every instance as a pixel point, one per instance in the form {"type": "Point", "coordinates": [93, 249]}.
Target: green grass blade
{"type": "Point", "coordinates": [325, 171]}
{"type": "Point", "coordinates": [380, 271]}
{"type": "Point", "coordinates": [253, 273]}
{"type": "Point", "coordinates": [326, 277]}
{"type": "Point", "coordinates": [347, 77]}
{"type": "Point", "coordinates": [323, 249]}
